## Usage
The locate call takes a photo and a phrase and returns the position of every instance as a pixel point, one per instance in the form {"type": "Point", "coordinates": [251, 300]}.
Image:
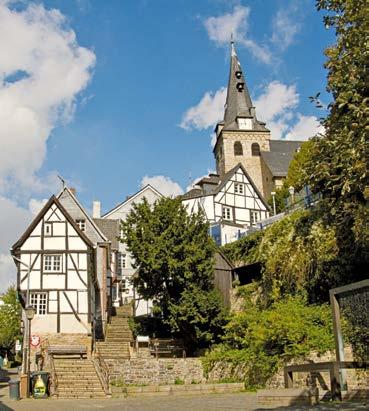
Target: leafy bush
{"type": "Point", "coordinates": [260, 341]}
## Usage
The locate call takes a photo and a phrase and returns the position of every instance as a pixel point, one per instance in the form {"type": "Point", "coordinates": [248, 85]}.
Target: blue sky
{"type": "Point", "coordinates": [117, 91]}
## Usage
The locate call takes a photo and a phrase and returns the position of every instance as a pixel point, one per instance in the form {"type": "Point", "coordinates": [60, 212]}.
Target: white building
{"type": "Point", "coordinates": [232, 205]}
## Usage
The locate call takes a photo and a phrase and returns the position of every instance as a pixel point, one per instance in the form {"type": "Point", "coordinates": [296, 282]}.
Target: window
{"type": "Point", "coordinates": [39, 302]}
{"type": "Point", "coordinates": [255, 149]}
{"type": "Point", "coordinates": [238, 151]}
{"type": "Point", "coordinates": [238, 188]}
{"type": "Point", "coordinates": [227, 213]}
{"type": "Point", "coordinates": [81, 224]}
{"type": "Point", "coordinates": [122, 262]}
{"type": "Point", "coordinates": [254, 216]}
{"type": "Point", "coordinates": [52, 263]}
{"type": "Point", "coordinates": [48, 229]}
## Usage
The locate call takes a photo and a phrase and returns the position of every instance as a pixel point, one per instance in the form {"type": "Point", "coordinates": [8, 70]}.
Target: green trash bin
{"type": "Point", "coordinates": [40, 384]}
{"type": "Point", "coordinates": [14, 390]}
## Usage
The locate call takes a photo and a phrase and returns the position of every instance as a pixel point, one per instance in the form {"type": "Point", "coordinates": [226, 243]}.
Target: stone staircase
{"type": "Point", "coordinates": [77, 378]}
{"type": "Point", "coordinates": [118, 335]}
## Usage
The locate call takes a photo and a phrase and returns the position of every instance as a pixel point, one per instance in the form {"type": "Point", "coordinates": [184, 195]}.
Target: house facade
{"type": "Point", "coordinates": [59, 271]}
{"type": "Point", "coordinates": [231, 205]}
{"type": "Point", "coordinates": [124, 291]}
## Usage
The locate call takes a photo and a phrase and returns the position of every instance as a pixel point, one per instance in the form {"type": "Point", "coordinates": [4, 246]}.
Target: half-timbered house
{"type": "Point", "coordinates": [232, 204]}
{"type": "Point", "coordinates": [58, 270]}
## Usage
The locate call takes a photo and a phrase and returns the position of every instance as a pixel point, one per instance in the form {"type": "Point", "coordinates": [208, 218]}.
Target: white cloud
{"type": "Point", "coordinates": [276, 105]}
{"type": "Point", "coordinates": [164, 185]}
{"type": "Point", "coordinates": [306, 127]}
{"type": "Point", "coordinates": [35, 206]}
{"type": "Point", "coordinates": [286, 25]}
{"type": "Point", "coordinates": [207, 113]}
{"type": "Point", "coordinates": [7, 272]}
{"type": "Point", "coordinates": [221, 28]}
{"type": "Point", "coordinates": [42, 70]}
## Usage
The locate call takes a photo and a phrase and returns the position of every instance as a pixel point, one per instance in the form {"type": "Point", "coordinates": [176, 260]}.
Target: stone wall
{"type": "Point", "coordinates": [356, 379]}
{"type": "Point", "coordinates": [145, 371]}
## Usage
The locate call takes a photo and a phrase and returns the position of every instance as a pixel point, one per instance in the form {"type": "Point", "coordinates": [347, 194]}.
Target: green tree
{"type": "Point", "coordinates": [10, 314]}
{"type": "Point", "coordinates": [338, 167]}
{"type": "Point", "coordinates": [174, 257]}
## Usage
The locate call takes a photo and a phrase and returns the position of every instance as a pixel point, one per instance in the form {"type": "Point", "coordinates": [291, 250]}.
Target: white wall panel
{"type": "Point", "coordinates": [70, 324]}
{"type": "Point", "coordinates": [74, 281]}
{"type": "Point", "coordinates": [76, 244]}
{"type": "Point", "coordinates": [53, 306]}
{"type": "Point", "coordinates": [56, 281]}
{"type": "Point", "coordinates": [34, 281]}
{"type": "Point", "coordinates": [64, 305]}
{"type": "Point", "coordinates": [54, 243]}
{"type": "Point", "coordinates": [32, 243]}
{"type": "Point", "coordinates": [82, 301]}
{"type": "Point", "coordinates": [59, 228]}
{"type": "Point", "coordinates": [42, 324]}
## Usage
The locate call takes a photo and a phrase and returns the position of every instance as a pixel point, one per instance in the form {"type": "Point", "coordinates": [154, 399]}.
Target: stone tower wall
{"type": "Point", "coordinates": [226, 159]}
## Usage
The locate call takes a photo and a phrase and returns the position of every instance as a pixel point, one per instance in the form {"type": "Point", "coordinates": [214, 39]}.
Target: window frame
{"type": "Point", "coordinates": [48, 225]}
{"type": "Point", "coordinates": [122, 262]}
{"type": "Point", "coordinates": [53, 267]}
{"type": "Point", "coordinates": [40, 302]}
{"type": "Point", "coordinates": [225, 211]}
{"type": "Point", "coordinates": [237, 148]}
{"type": "Point", "coordinates": [254, 221]}
{"type": "Point", "coordinates": [237, 187]}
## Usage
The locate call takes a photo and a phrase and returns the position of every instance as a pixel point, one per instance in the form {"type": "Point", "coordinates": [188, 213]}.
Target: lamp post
{"type": "Point", "coordinates": [273, 197]}
{"type": "Point", "coordinates": [30, 313]}
{"type": "Point", "coordinates": [291, 190]}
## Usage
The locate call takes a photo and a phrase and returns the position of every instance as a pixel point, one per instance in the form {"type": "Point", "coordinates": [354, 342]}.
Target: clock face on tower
{"type": "Point", "coordinates": [244, 123]}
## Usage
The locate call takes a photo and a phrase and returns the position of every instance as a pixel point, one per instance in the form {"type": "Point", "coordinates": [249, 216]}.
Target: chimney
{"type": "Point", "coordinates": [73, 191]}
{"type": "Point", "coordinates": [96, 209]}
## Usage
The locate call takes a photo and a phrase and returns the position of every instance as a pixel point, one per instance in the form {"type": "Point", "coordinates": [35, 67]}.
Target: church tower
{"type": "Point", "coordinates": [241, 136]}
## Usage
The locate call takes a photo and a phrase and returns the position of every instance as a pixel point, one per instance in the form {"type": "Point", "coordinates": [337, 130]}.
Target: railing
{"type": "Point", "coordinates": [333, 367]}
{"type": "Point", "coordinates": [102, 370]}
{"type": "Point", "coordinates": [54, 378]}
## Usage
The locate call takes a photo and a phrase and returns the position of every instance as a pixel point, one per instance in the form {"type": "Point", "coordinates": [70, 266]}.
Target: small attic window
{"type": "Point", "coordinates": [238, 151]}
{"type": "Point", "coordinates": [255, 149]}
{"type": "Point", "coordinates": [238, 74]}
{"type": "Point", "coordinates": [81, 224]}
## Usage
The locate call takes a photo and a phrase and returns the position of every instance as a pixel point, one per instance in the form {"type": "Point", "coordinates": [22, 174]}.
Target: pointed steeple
{"type": "Point", "coordinates": [238, 104]}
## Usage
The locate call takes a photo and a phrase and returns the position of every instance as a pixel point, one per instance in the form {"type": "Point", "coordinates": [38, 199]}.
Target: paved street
{"type": "Point", "coordinates": [210, 402]}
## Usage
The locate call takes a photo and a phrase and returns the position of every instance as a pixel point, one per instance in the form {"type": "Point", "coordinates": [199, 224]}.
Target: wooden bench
{"type": "Point", "coordinates": [167, 347]}
{"type": "Point", "coordinates": [79, 350]}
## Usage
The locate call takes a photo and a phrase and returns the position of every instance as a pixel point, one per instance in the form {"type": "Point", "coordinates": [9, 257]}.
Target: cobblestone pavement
{"type": "Point", "coordinates": [211, 402]}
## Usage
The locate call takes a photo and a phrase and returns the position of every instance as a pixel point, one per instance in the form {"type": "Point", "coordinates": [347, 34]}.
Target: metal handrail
{"type": "Point", "coordinates": [102, 370]}
{"type": "Point", "coordinates": [54, 378]}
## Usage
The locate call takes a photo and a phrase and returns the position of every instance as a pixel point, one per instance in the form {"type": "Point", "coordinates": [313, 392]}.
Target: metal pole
{"type": "Point", "coordinates": [274, 207]}
{"type": "Point", "coordinates": [29, 359]}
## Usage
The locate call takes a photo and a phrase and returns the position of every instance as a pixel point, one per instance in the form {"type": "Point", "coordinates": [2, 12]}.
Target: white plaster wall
{"type": "Point", "coordinates": [70, 324]}
{"type": "Point", "coordinates": [54, 243]}
{"type": "Point", "coordinates": [53, 281]}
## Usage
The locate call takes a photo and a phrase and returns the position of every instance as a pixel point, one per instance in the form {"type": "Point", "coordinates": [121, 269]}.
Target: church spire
{"type": "Point", "coordinates": [238, 103]}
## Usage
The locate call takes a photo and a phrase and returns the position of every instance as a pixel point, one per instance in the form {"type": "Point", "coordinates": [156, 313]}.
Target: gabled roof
{"type": "Point", "coordinates": [40, 215]}
{"type": "Point", "coordinates": [197, 192]}
{"type": "Point", "coordinates": [280, 155]}
{"type": "Point", "coordinates": [128, 199]}
{"type": "Point", "coordinates": [74, 198]}
{"type": "Point", "coordinates": [111, 228]}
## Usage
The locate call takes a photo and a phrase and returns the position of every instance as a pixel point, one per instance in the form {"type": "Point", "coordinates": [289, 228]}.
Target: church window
{"type": "Point", "coordinates": [254, 216]}
{"type": "Point", "coordinates": [227, 213]}
{"type": "Point", "coordinates": [53, 263]}
{"type": "Point", "coordinates": [238, 188]}
{"type": "Point", "coordinates": [39, 302]}
{"type": "Point", "coordinates": [48, 229]}
{"type": "Point", "coordinates": [255, 149]}
{"type": "Point", "coordinates": [81, 224]}
{"type": "Point", "coordinates": [238, 151]}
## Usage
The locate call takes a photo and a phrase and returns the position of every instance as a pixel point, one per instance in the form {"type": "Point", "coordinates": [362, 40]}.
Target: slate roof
{"type": "Point", "coordinates": [193, 193]}
{"type": "Point", "coordinates": [111, 229]}
{"type": "Point", "coordinates": [238, 102]}
{"type": "Point", "coordinates": [280, 155]}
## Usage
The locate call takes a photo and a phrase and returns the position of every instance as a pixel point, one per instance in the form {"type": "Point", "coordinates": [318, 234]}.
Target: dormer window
{"type": "Point", "coordinates": [244, 123]}
{"type": "Point", "coordinates": [238, 74]}
{"type": "Point", "coordinates": [81, 224]}
{"type": "Point", "coordinates": [240, 86]}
